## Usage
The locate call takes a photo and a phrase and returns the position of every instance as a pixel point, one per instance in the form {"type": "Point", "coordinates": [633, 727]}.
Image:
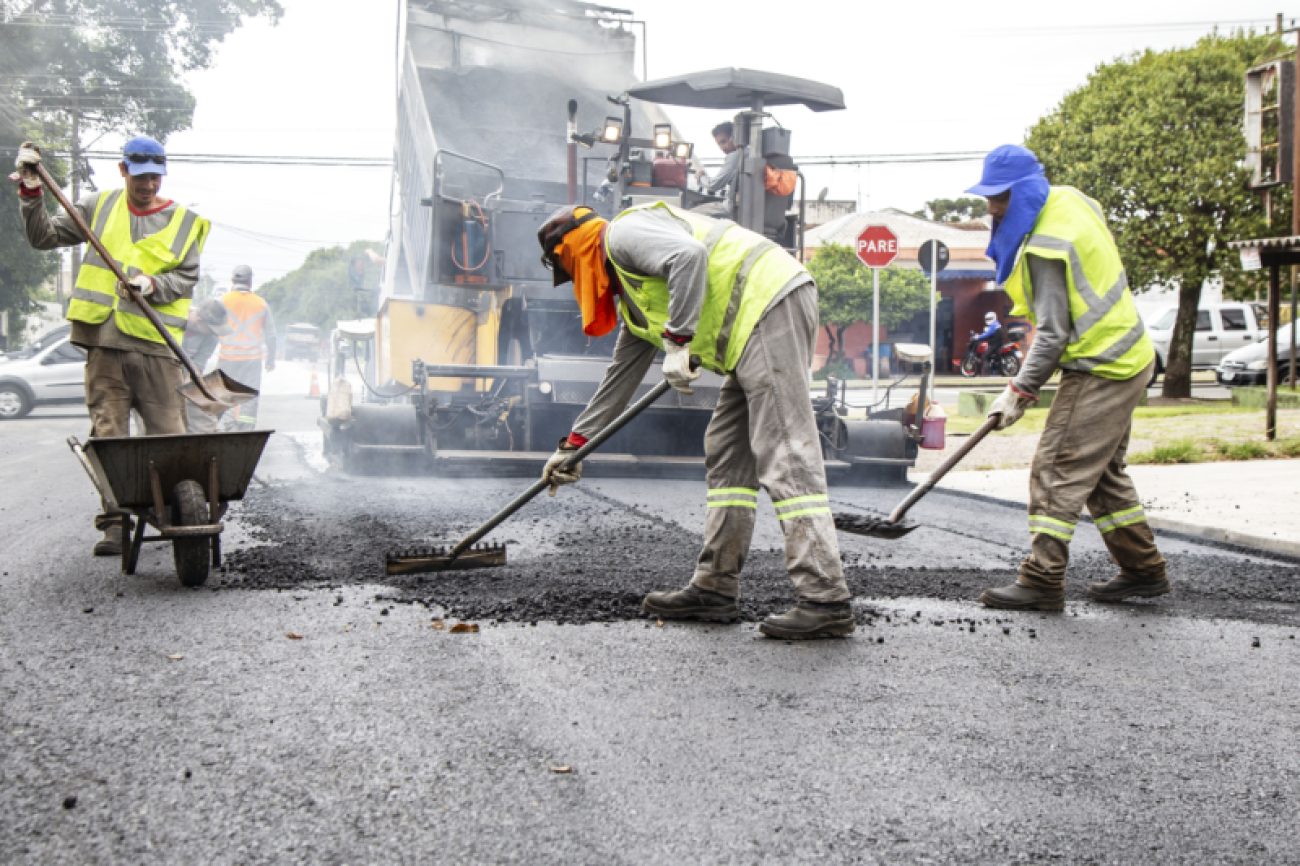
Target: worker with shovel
{"type": "Point", "coordinates": [1058, 262]}
{"type": "Point", "coordinates": [690, 285]}
{"type": "Point", "coordinates": [157, 244]}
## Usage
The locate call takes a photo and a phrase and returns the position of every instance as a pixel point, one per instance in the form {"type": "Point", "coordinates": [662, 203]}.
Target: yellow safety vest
{"type": "Point", "coordinates": [1107, 337]}
{"type": "Point", "coordinates": [95, 294]}
{"type": "Point", "coordinates": [746, 270]}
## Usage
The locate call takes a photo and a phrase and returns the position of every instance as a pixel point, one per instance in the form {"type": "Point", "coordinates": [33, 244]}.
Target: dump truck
{"type": "Point", "coordinates": [508, 109]}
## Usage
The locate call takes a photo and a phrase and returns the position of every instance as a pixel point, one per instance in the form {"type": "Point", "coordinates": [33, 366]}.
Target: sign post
{"type": "Point", "coordinates": [933, 257]}
{"type": "Point", "coordinates": [877, 247]}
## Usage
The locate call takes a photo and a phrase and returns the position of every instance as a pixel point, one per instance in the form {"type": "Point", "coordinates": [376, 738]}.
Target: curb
{"type": "Point", "coordinates": [1240, 541]}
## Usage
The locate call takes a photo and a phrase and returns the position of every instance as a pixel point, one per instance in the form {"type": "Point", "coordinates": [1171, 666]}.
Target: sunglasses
{"type": "Point", "coordinates": [141, 158]}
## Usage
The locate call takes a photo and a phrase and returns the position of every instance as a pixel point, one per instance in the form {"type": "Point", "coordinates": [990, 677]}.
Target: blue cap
{"type": "Point", "coordinates": [144, 155]}
{"type": "Point", "coordinates": [1004, 166]}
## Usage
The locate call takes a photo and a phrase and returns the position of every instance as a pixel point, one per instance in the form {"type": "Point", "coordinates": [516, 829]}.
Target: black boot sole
{"type": "Point", "coordinates": [1135, 592]}
{"type": "Point", "coordinates": [837, 628]}
{"type": "Point", "coordinates": [697, 614]}
{"type": "Point", "coordinates": [1044, 606]}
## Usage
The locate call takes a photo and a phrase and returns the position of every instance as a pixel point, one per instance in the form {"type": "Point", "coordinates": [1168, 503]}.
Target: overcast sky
{"type": "Point", "coordinates": [917, 78]}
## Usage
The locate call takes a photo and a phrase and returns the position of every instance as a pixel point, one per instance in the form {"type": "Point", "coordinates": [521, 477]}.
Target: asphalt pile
{"type": "Point", "coordinates": [582, 558]}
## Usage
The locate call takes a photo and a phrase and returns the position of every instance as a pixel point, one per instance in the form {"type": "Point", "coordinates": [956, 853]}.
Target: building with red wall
{"type": "Point", "coordinates": [966, 288]}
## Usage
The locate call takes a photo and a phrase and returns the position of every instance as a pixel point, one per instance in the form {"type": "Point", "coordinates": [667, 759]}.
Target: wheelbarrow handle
{"type": "Point", "coordinates": [96, 472]}
{"type": "Point", "coordinates": [150, 313]}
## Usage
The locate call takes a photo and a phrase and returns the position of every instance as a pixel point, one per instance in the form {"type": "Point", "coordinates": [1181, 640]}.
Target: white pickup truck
{"type": "Point", "coordinates": [1220, 329]}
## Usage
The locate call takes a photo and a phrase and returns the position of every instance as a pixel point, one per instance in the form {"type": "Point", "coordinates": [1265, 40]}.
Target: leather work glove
{"type": "Point", "coordinates": [677, 366]}
{"type": "Point", "coordinates": [552, 472]}
{"type": "Point", "coordinates": [1010, 405]}
{"type": "Point", "coordinates": [143, 284]}
{"type": "Point", "coordinates": [29, 156]}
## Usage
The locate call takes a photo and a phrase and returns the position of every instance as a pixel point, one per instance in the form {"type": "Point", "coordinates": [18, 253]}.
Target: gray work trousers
{"type": "Point", "coordinates": [1080, 461]}
{"type": "Point", "coordinates": [763, 433]}
{"type": "Point", "coordinates": [249, 373]}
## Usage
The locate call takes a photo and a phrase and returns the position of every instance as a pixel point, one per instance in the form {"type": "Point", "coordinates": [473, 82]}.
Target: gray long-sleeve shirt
{"type": "Point", "coordinates": [46, 232]}
{"type": "Point", "coordinates": [727, 175]}
{"type": "Point", "coordinates": [653, 242]}
{"type": "Point", "coordinates": [1052, 323]}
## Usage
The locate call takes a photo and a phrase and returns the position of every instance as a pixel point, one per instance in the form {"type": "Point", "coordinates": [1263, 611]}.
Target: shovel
{"type": "Point", "coordinates": [215, 393]}
{"type": "Point", "coordinates": [464, 554]}
{"type": "Point", "coordinates": [893, 526]}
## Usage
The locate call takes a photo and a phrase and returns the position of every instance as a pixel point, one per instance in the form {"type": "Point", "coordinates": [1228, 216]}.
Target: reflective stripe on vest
{"type": "Point", "coordinates": [248, 326]}
{"type": "Point", "coordinates": [1107, 337]}
{"type": "Point", "coordinates": [745, 272]}
{"type": "Point", "coordinates": [95, 293]}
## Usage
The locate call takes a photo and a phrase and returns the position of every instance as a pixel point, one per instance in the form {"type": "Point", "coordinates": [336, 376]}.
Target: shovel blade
{"type": "Point", "coordinates": [227, 391]}
{"type": "Point", "coordinates": [873, 527]}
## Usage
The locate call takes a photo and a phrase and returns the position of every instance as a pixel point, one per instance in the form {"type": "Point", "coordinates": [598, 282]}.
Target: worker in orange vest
{"type": "Point", "coordinates": [250, 344]}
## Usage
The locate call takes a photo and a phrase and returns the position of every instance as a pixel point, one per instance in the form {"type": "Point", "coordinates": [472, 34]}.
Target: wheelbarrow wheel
{"type": "Point", "coordinates": [190, 508]}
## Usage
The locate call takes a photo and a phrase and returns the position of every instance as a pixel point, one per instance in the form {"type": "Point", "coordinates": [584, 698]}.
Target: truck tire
{"type": "Point", "coordinates": [192, 555]}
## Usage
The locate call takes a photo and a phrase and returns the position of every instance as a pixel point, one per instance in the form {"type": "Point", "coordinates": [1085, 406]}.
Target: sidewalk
{"type": "Point", "coordinates": [1251, 503]}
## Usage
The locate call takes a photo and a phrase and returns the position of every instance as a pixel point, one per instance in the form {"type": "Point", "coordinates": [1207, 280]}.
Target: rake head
{"type": "Point", "coordinates": [441, 559]}
{"type": "Point", "coordinates": [874, 527]}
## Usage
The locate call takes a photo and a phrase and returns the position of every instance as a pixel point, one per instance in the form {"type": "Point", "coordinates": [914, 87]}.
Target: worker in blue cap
{"type": "Point", "coordinates": [1059, 264]}
{"type": "Point", "coordinates": [157, 242]}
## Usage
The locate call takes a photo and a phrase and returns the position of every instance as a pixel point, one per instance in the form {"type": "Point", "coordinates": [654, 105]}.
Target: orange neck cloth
{"type": "Point", "coordinates": [582, 253]}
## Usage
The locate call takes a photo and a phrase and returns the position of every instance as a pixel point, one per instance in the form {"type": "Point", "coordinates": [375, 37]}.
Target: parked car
{"type": "Point", "coordinates": [1249, 365]}
{"type": "Point", "coordinates": [301, 340]}
{"type": "Point", "coordinates": [1220, 329]}
{"type": "Point", "coordinates": [44, 341]}
{"type": "Point", "coordinates": [54, 374]}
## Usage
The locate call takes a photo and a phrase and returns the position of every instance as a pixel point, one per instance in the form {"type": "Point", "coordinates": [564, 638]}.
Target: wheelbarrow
{"type": "Point", "coordinates": [178, 484]}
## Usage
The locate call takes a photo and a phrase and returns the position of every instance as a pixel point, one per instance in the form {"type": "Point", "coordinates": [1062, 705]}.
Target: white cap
{"type": "Point", "coordinates": [990, 317]}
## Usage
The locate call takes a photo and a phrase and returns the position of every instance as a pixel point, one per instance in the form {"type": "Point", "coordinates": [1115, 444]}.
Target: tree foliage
{"type": "Point", "coordinates": [72, 68]}
{"type": "Point", "coordinates": [844, 292]}
{"type": "Point", "coordinates": [954, 210]}
{"type": "Point", "coordinates": [1156, 138]}
{"type": "Point", "coordinates": [321, 291]}
{"type": "Point", "coordinates": [115, 65]}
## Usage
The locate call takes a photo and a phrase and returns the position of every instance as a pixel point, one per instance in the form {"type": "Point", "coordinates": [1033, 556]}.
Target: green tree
{"type": "Point", "coordinates": [844, 291]}
{"type": "Point", "coordinates": [22, 269]}
{"type": "Point", "coordinates": [321, 291]}
{"type": "Point", "coordinates": [954, 210]}
{"type": "Point", "coordinates": [1156, 138]}
{"type": "Point", "coordinates": [72, 69]}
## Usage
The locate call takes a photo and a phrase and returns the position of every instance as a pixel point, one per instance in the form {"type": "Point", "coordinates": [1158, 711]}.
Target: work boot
{"type": "Point", "coordinates": [1125, 585]}
{"type": "Point", "coordinates": [1020, 596]}
{"type": "Point", "coordinates": [808, 620]}
{"type": "Point", "coordinates": [113, 541]}
{"type": "Point", "coordinates": [691, 603]}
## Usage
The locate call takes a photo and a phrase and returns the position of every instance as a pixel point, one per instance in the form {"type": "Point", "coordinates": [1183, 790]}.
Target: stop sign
{"type": "Point", "coordinates": [877, 246]}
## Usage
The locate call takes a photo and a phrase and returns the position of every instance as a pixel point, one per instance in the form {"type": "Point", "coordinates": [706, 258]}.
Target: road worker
{"type": "Point", "coordinates": [209, 321]}
{"type": "Point", "coordinates": [1058, 262]}
{"type": "Point", "coordinates": [690, 285]}
{"type": "Point", "coordinates": [249, 345]}
{"type": "Point", "coordinates": [157, 242]}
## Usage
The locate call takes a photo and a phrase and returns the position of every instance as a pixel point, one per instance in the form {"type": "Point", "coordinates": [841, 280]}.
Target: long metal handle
{"type": "Point", "coordinates": [989, 425]}
{"type": "Point", "coordinates": [541, 484]}
{"type": "Point", "coordinates": [111, 262]}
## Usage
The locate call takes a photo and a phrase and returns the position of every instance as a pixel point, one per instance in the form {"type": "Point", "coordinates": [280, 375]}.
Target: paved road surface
{"type": "Point", "coordinates": [144, 723]}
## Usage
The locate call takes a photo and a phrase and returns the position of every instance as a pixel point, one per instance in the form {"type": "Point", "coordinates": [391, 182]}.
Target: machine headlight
{"type": "Point", "coordinates": [1261, 364]}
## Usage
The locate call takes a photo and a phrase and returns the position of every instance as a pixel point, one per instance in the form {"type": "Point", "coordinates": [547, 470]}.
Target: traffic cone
{"type": "Point", "coordinates": [314, 392]}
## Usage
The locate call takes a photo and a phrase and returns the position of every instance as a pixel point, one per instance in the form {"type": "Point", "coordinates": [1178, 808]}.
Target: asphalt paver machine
{"type": "Point", "coordinates": [476, 363]}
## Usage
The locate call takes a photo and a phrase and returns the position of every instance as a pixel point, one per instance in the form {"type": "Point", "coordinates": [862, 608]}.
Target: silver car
{"type": "Point", "coordinates": [53, 374]}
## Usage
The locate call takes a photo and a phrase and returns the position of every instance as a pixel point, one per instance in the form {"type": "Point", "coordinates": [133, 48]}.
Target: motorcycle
{"type": "Point", "coordinates": [1005, 362]}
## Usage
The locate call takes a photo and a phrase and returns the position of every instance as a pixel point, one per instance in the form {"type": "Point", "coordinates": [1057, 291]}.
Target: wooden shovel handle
{"type": "Point", "coordinates": [150, 313]}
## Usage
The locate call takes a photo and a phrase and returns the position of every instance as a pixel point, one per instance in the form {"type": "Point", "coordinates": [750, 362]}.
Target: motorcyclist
{"type": "Point", "coordinates": [993, 334]}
